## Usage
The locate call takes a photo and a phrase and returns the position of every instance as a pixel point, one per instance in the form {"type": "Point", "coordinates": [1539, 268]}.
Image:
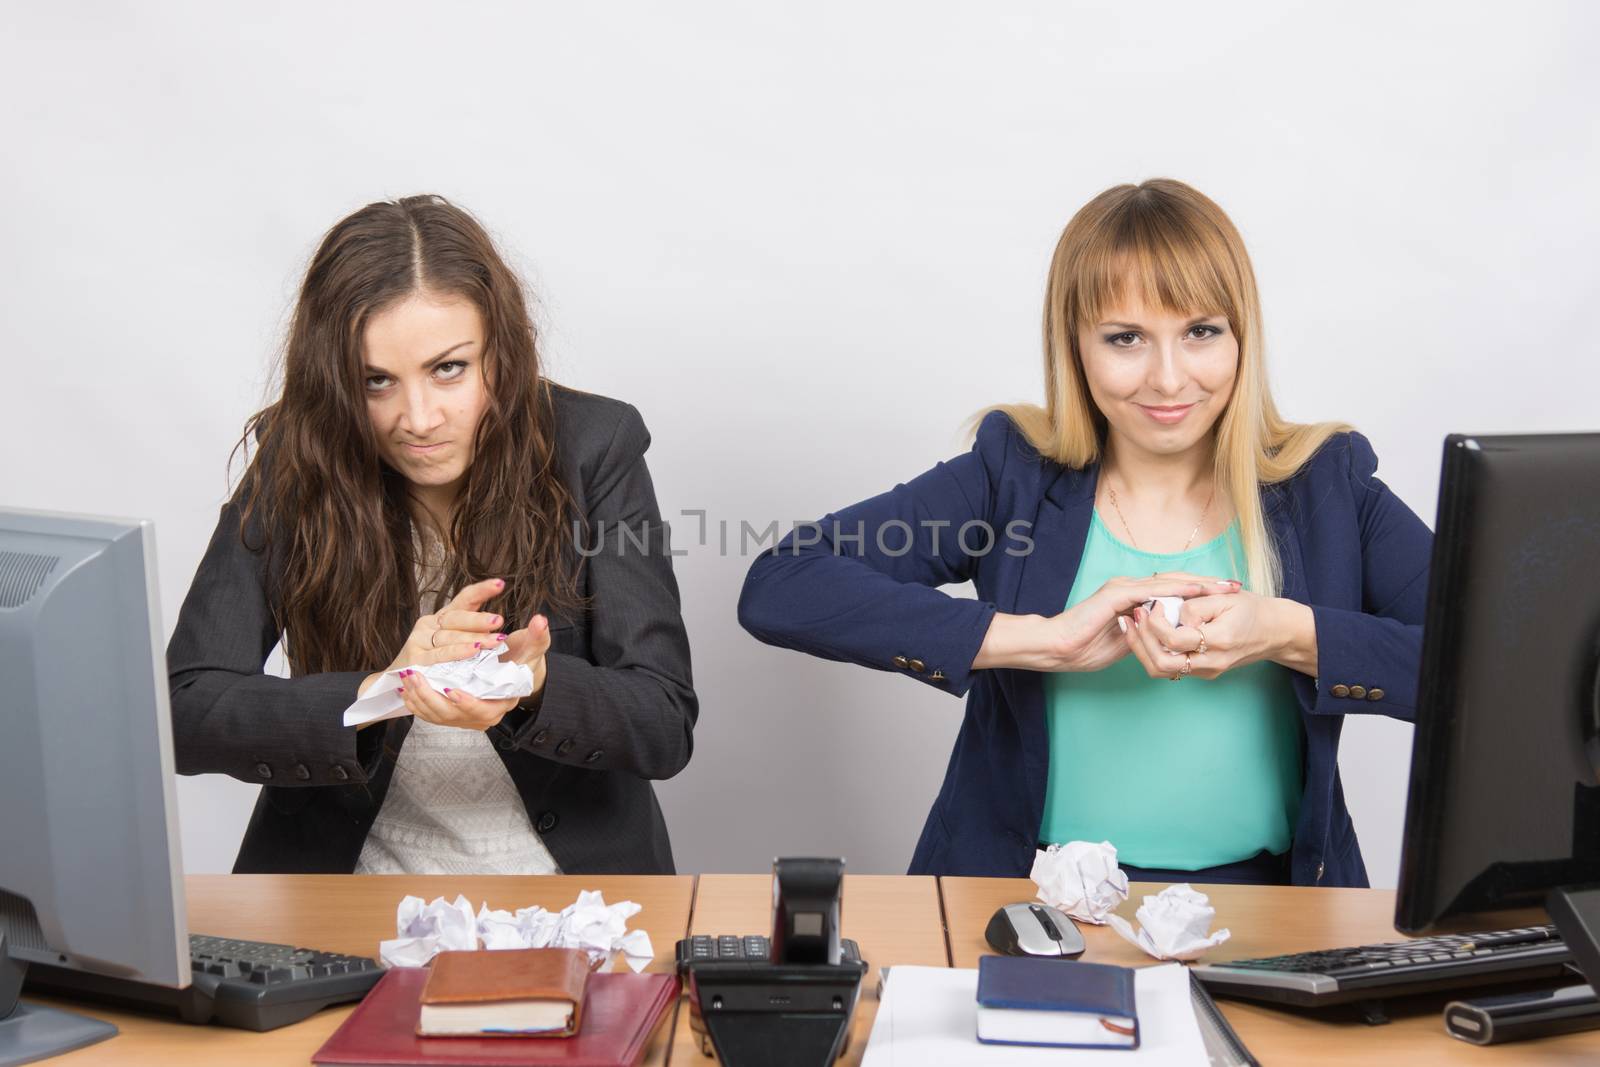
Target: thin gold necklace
{"type": "Point", "coordinates": [1129, 530]}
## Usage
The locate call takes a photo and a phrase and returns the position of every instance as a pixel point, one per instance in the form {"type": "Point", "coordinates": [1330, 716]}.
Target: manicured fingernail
{"type": "Point", "coordinates": [447, 690]}
{"type": "Point", "coordinates": [1122, 623]}
{"type": "Point", "coordinates": [499, 637]}
{"type": "Point", "coordinates": [495, 622]}
{"type": "Point", "coordinates": [402, 689]}
{"type": "Point", "coordinates": [501, 582]}
{"type": "Point", "coordinates": [448, 695]}
{"type": "Point", "coordinates": [477, 644]}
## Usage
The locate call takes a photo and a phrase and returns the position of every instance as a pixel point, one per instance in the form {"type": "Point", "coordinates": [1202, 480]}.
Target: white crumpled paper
{"type": "Point", "coordinates": [1171, 606]}
{"type": "Point", "coordinates": [1173, 924]}
{"type": "Point", "coordinates": [589, 923]}
{"type": "Point", "coordinates": [1081, 878]}
{"type": "Point", "coordinates": [483, 676]}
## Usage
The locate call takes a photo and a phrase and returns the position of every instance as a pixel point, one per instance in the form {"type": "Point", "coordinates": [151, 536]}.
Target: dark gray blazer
{"type": "Point", "coordinates": [617, 710]}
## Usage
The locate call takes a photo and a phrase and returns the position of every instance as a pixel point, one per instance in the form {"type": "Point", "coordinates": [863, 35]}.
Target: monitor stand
{"type": "Point", "coordinates": [1575, 910]}
{"type": "Point", "coordinates": [30, 1032]}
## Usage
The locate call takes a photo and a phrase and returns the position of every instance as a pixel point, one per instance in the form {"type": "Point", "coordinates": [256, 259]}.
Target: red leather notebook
{"type": "Point", "coordinates": [620, 1013]}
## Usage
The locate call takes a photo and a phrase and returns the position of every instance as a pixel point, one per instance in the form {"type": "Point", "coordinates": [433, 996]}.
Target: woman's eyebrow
{"type": "Point", "coordinates": [432, 363]}
{"type": "Point", "coordinates": [1136, 326]}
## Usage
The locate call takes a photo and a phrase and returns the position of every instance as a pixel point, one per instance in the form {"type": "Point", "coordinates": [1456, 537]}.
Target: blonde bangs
{"type": "Point", "coordinates": [1177, 276]}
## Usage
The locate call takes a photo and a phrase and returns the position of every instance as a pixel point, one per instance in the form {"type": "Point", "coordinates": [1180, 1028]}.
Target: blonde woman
{"type": "Point", "coordinates": [1157, 467]}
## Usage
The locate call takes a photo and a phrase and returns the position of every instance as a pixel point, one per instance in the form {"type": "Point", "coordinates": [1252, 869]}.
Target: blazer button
{"type": "Point", "coordinates": [302, 772]}
{"type": "Point", "coordinates": [564, 747]}
{"type": "Point", "coordinates": [917, 665]}
{"type": "Point", "coordinates": [1340, 691]}
{"type": "Point", "coordinates": [340, 773]}
{"type": "Point", "coordinates": [505, 744]}
{"type": "Point", "coordinates": [1358, 692]}
{"type": "Point", "coordinates": [901, 662]}
{"type": "Point", "coordinates": [937, 676]}
{"type": "Point", "coordinates": [591, 757]}
{"type": "Point", "coordinates": [1374, 694]}
{"type": "Point", "coordinates": [263, 771]}
{"type": "Point", "coordinates": [547, 822]}
{"type": "Point", "coordinates": [539, 737]}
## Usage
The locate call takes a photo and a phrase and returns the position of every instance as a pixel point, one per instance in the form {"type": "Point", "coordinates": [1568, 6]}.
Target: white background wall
{"type": "Point", "coordinates": [807, 242]}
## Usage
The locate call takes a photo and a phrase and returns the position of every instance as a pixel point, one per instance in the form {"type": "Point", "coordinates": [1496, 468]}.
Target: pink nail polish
{"type": "Point", "coordinates": [499, 637]}
{"type": "Point", "coordinates": [447, 690]}
{"type": "Point", "coordinates": [402, 689]}
{"type": "Point", "coordinates": [477, 644]}
{"type": "Point", "coordinates": [501, 582]}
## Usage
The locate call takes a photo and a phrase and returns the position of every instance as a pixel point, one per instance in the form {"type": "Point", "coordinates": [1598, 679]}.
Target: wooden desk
{"type": "Point", "coordinates": [1267, 921]}
{"type": "Point", "coordinates": [894, 918]}
{"type": "Point", "coordinates": [352, 913]}
{"type": "Point", "coordinates": [897, 920]}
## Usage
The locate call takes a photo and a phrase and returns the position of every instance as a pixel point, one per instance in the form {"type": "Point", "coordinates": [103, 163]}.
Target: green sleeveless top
{"type": "Point", "coordinates": [1180, 775]}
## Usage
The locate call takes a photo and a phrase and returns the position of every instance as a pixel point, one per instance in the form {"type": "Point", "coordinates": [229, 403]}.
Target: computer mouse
{"type": "Point", "coordinates": [1031, 929]}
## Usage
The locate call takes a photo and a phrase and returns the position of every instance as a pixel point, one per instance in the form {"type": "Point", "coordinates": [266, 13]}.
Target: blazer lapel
{"type": "Point", "coordinates": [1060, 530]}
{"type": "Point", "coordinates": [1276, 504]}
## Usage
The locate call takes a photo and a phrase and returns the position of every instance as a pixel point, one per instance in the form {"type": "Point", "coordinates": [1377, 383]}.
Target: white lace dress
{"type": "Point", "coordinates": [451, 807]}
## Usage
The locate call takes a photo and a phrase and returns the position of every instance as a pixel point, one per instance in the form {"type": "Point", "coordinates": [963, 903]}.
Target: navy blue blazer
{"type": "Point", "coordinates": [860, 586]}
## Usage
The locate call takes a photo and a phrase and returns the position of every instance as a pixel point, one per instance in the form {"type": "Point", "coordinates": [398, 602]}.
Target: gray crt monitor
{"type": "Point", "coordinates": [90, 869]}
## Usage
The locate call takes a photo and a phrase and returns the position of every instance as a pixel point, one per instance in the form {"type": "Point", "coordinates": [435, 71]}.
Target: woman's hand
{"type": "Point", "coordinates": [1087, 637]}
{"type": "Point", "coordinates": [1232, 631]}
{"type": "Point", "coordinates": [452, 707]}
{"type": "Point", "coordinates": [456, 631]}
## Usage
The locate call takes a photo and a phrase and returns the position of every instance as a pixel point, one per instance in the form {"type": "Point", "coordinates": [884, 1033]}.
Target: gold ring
{"type": "Point", "coordinates": [1183, 672]}
{"type": "Point", "coordinates": [1202, 649]}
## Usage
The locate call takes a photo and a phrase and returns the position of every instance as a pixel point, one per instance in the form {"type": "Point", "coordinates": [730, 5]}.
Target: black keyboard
{"type": "Point", "coordinates": [253, 985]}
{"type": "Point", "coordinates": [1396, 968]}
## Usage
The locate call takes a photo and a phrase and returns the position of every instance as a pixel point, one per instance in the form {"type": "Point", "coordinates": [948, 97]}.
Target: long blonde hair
{"type": "Point", "coordinates": [1185, 256]}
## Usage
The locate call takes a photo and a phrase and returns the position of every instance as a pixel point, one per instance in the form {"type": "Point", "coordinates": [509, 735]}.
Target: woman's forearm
{"type": "Point", "coordinates": [1296, 628]}
{"type": "Point", "coordinates": [1020, 641]}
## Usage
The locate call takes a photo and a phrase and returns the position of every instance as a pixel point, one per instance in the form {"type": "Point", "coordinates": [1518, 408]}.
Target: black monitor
{"type": "Point", "coordinates": [1504, 806]}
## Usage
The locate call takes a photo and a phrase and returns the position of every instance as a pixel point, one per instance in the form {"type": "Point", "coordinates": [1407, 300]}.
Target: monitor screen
{"type": "Point", "coordinates": [90, 870]}
{"type": "Point", "coordinates": [1504, 803]}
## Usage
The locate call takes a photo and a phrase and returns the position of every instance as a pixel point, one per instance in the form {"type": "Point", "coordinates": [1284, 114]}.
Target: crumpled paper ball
{"type": "Point", "coordinates": [588, 923]}
{"type": "Point", "coordinates": [1171, 606]}
{"type": "Point", "coordinates": [483, 675]}
{"type": "Point", "coordinates": [1081, 878]}
{"type": "Point", "coordinates": [1173, 924]}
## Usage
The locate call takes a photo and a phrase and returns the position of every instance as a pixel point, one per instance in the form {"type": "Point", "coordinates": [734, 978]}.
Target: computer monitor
{"type": "Point", "coordinates": [1504, 805]}
{"type": "Point", "coordinates": [90, 870]}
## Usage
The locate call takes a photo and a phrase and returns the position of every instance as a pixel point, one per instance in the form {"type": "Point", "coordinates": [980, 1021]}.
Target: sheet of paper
{"type": "Point", "coordinates": [482, 675]}
{"type": "Point", "coordinates": [929, 1018]}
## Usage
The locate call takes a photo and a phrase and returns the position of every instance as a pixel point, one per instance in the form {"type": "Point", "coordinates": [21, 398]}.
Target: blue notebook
{"type": "Point", "coordinates": [1031, 1001]}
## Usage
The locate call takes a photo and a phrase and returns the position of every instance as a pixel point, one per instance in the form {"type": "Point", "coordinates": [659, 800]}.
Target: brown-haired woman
{"type": "Point", "coordinates": [421, 490]}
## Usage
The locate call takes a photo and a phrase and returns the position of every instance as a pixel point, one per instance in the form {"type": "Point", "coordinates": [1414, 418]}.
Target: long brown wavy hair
{"type": "Point", "coordinates": [332, 516]}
